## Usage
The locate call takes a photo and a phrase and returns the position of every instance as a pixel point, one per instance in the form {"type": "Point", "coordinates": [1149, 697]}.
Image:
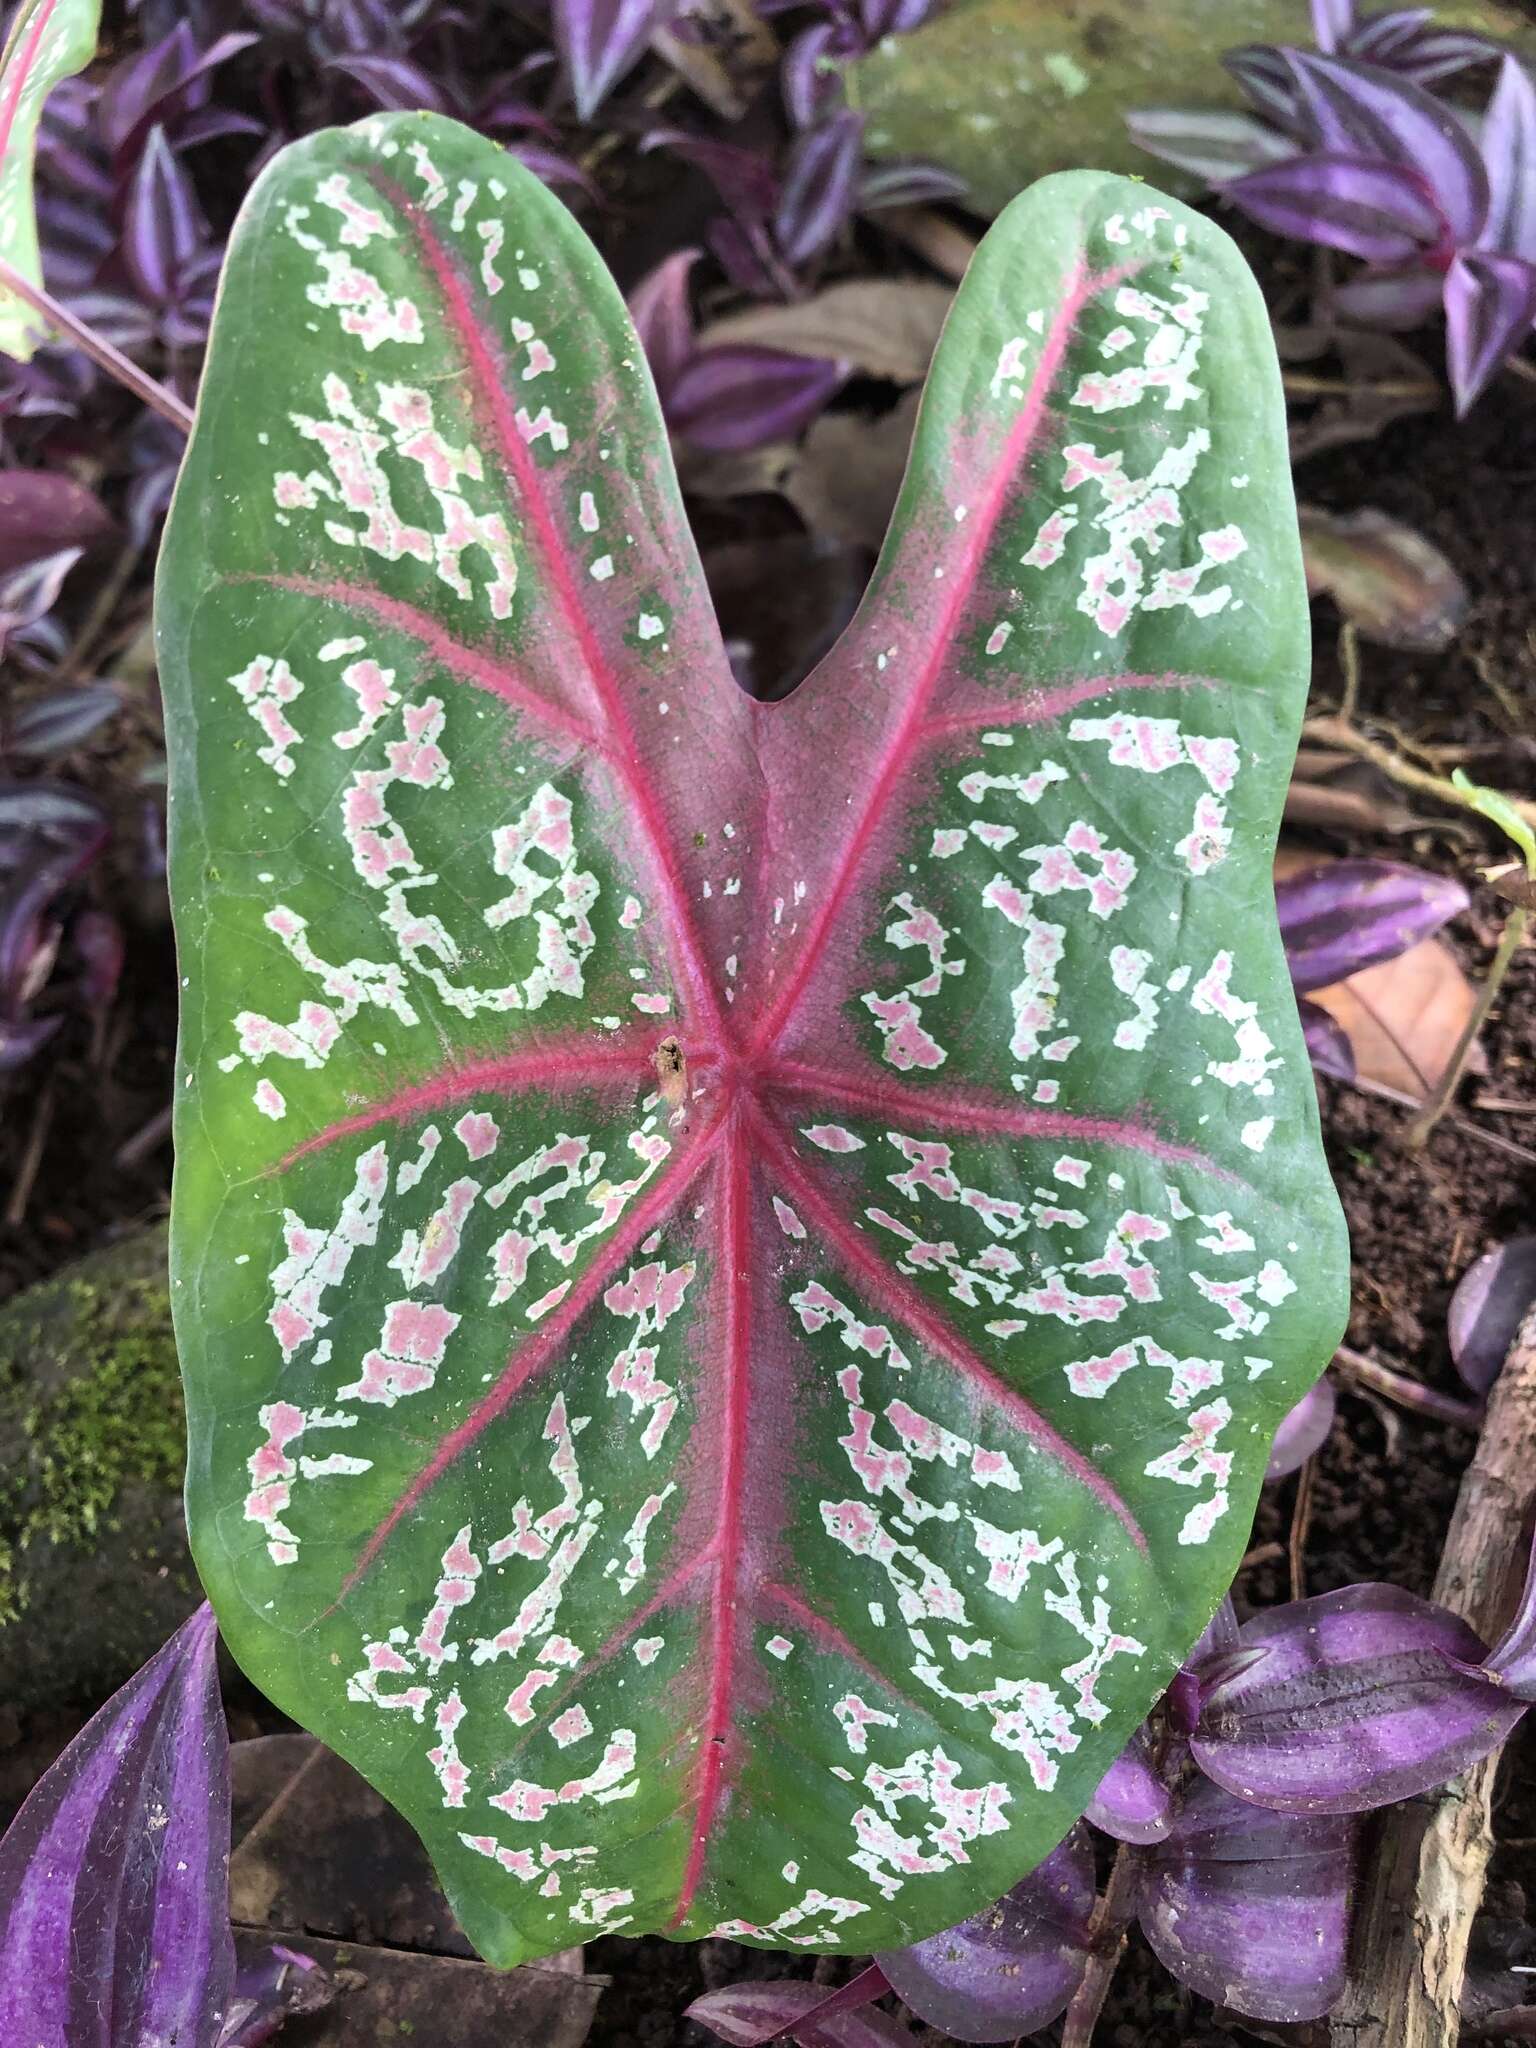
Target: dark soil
{"type": "Point", "coordinates": [1385, 1483]}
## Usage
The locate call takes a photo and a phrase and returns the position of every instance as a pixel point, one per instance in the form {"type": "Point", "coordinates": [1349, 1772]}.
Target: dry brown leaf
{"type": "Point", "coordinates": [886, 327]}
{"type": "Point", "coordinates": [849, 471]}
{"type": "Point", "coordinates": [727, 54]}
{"type": "Point", "coordinates": [1391, 583]}
{"type": "Point", "coordinates": [1403, 1018]}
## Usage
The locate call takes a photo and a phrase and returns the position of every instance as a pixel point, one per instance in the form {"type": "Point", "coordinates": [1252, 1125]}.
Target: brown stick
{"type": "Point", "coordinates": [1424, 1881]}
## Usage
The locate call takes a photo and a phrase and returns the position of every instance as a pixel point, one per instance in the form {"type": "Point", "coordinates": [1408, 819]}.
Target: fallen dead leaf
{"type": "Point", "coordinates": [1386, 579]}
{"type": "Point", "coordinates": [1403, 1018]}
{"type": "Point", "coordinates": [849, 470]}
{"type": "Point", "coordinates": [885, 327]}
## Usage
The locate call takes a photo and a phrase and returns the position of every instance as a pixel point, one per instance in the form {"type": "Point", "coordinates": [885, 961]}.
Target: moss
{"type": "Point", "coordinates": [114, 1417]}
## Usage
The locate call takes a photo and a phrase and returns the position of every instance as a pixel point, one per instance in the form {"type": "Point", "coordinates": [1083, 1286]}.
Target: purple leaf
{"type": "Point", "coordinates": [29, 593]}
{"type": "Point", "coordinates": [98, 939]}
{"type": "Point", "coordinates": [880, 18]}
{"type": "Point", "coordinates": [1214, 145]}
{"type": "Point", "coordinates": [164, 226]}
{"type": "Point", "coordinates": [1332, 21]}
{"type": "Point", "coordinates": [1509, 150]}
{"type": "Point", "coordinates": [1133, 1802]}
{"type": "Point", "coordinates": [1304, 1431]}
{"type": "Point", "coordinates": [1345, 915]}
{"type": "Point", "coordinates": [279, 1982]}
{"type": "Point", "coordinates": [1250, 1908]}
{"type": "Point", "coordinates": [1010, 1969]}
{"type": "Point", "coordinates": [1488, 1308]}
{"type": "Point", "coordinates": [820, 181]}
{"type": "Point", "coordinates": [663, 317]}
{"type": "Point", "coordinates": [48, 807]}
{"type": "Point", "coordinates": [162, 83]}
{"type": "Point", "coordinates": [746, 2015]}
{"type": "Point", "coordinates": [1511, 1662]}
{"type": "Point", "coordinates": [392, 82]}
{"type": "Point", "coordinates": [1353, 1704]}
{"type": "Point", "coordinates": [735, 397]}
{"type": "Point", "coordinates": [743, 177]}
{"type": "Point", "coordinates": [1398, 301]}
{"type": "Point", "coordinates": [911, 183]}
{"type": "Point", "coordinates": [42, 512]}
{"type": "Point", "coordinates": [551, 167]}
{"type": "Point", "coordinates": [1264, 74]}
{"type": "Point", "coordinates": [1490, 302]}
{"type": "Point", "coordinates": [20, 1039]}
{"type": "Point", "coordinates": [1358, 110]}
{"type": "Point", "coordinates": [1328, 1045]}
{"type": "Point", "coordinates": [809, 84]}
{"type": "Point", "coordinates": [1405, 40]}
{"type": "Point", "coordinates": [1381, 212]}
{"type": "Point", "coordinates": [599, 40]}
{"type": "Point", "coordinates": [114, 1876]}
{"type": "Point", "coordinates": [61, 719]}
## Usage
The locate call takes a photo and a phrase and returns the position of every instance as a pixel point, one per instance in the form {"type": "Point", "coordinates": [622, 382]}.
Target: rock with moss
{"type": "Point", "coordinates": [94, 1567]}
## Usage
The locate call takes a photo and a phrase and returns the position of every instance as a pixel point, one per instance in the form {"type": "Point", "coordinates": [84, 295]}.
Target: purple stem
{"type": "Point", "coordinates": [1407, 1393]}
{"type": "Point", "coordinates": [98, 348]}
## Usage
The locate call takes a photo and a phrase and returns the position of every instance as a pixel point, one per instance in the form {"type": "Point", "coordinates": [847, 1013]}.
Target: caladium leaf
{"type": "Point", "coordinates": [727, 1251]}
{"type": "Point", "coordinates": [49, 40]}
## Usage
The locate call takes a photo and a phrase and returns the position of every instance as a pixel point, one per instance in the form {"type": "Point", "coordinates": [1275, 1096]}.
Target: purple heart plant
{"type": "Point", "coordinates": [1350, 148]}
{"type": "Point", "coordinates": [1236, 1810]}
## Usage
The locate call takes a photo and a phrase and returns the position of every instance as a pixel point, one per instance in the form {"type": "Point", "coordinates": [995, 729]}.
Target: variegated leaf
{"type": "Point", "coordinates": [737, 1263]}
{"type": "Point", "coordinates": [49, 40]}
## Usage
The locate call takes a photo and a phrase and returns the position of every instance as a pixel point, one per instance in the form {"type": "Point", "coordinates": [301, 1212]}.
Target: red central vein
{"type": "Point", "coordinates": [522, 469]}
{"type": "Point", "coordinates": [724, 1616]}
{"type": "Point", "coordinates": [553, 1067]}
{"type": "Point", "coordinates": [545, 1345]}
{"type": "Point", "coordinates": [956, 1109]}
{"type": "Point", "coordinates": [895, 1293]}
{"type": "Point", "coordinates": [18, 71]}
{"type": "Point", "coordinates": [910, 730]}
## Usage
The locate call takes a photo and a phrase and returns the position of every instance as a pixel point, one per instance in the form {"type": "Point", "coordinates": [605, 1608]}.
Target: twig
{"type": "Point", "coordinates": [31, 1159]}
{"type": "Point", "coordinates": [1349, 662]}
{"type": "Point", "coordinates": [100, 615]}
{"type": "Point", "coordinates": [149, 1138]}
{"type": "Point", "coordinates": [930, 235]}
{"type": "Point", "coordinates": [1438, 1101]}
{"type": "Point", "coordinates": [1424, 1882]}
{"type": "Point", "coordinates": [1336, 731]}
{"type": "Point", "coordinates": [1301, 1518]}
{"type": "Point", "coordinates": [1495, 1140]}
{"type": "Point", "coordinates": [1405, 1392]}
{"type": "Point", "coordinates": [1106, 1938]}
{"type": "Point", "coordinates": [98, 348]}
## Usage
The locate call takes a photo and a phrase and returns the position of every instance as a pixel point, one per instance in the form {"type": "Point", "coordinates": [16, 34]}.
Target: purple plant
{"type": "Point", "coordinates": [1345, 915]}
{"type": "Point", "coordinates": [1349, 149]}
{"type": "Point", "coordinates": [730, 396]}
{"type": "Point", "coordinates": [1236, 1807]}
{"type": "Point", "coordinates": [114, 1877]}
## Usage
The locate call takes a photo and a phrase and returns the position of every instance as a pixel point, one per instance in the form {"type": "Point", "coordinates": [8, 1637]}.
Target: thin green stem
{"type": "Point", "coordinates": [1439, 1098]}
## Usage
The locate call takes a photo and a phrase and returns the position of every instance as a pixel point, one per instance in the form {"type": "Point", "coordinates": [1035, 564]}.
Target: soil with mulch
{"type": "Point", "coordinates": [81, 1162]}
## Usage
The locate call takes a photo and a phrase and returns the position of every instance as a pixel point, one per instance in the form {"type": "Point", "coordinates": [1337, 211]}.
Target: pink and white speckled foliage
{"type": "Point", "coordinates": [736, 1263]}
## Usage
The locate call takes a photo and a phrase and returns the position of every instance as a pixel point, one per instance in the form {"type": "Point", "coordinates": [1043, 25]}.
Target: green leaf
{"type": "Point", "coordinates": [49, 40]}
{"type": "Point", "coordinates": [1002, 93]}
{"type": "Point", "coordinates": [1495, 805]}
{"type": "Point", "coordinates": [736, 1264]}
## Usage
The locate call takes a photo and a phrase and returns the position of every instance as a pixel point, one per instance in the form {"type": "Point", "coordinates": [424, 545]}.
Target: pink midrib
{"type": "Point", "coordinates": [1016, 449]}
{"type": "Point", "coordinates": [21, 71]}
{"type": "Point", "coordinates": [724, 1610]}
{"type": "Point", "coordinates": [488, 391]}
